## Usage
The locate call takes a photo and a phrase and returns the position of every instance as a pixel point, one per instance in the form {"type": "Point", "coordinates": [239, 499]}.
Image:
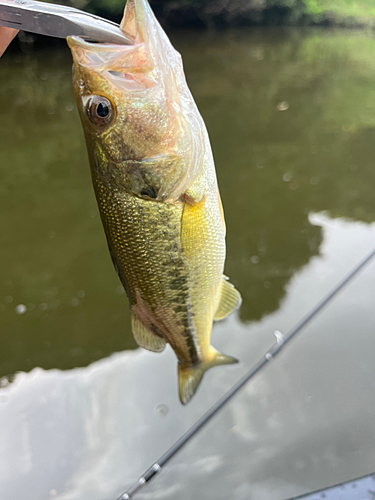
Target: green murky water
{"type": "Point", "coordinates": [291, 116]}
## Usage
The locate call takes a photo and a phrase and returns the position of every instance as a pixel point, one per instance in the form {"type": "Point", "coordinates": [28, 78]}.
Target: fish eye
{"type": "Point", "coordinates": [100, 110]}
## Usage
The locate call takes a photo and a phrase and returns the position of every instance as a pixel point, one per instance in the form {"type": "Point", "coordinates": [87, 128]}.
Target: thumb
{"type": "Point", "coordinates": [6, 36]}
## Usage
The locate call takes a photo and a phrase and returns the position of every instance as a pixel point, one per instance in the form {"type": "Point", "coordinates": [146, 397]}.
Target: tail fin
{"type": "Point", "coordinates": [190, 378]}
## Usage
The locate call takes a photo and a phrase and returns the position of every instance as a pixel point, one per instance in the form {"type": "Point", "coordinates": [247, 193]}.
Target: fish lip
{"type": "Point", "coordinates": [77, 41]}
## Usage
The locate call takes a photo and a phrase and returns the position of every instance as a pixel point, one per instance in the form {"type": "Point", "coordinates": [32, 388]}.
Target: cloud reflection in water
{"type": "Point", "coordinates": [306, 422]}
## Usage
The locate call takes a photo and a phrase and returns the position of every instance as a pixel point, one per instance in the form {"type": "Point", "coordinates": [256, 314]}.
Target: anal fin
{"type": "Point", "coordinates": [144, 338]}
{"type": "Point", "coordinates": [230, 300]}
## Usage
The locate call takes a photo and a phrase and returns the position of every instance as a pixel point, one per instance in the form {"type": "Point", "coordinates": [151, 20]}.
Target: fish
{"type": "Point", "coordinates": [155, 183]}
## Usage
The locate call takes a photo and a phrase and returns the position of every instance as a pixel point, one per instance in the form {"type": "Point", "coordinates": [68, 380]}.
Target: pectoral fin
{"type": "Point", "coordinates": [230, 300]}
{"type": "Point", "coordinates": [144, 337]}
{"type": "Point", "coordinates": [193, 228]}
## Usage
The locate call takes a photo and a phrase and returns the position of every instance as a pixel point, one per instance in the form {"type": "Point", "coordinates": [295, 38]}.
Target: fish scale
{"type": "Point", "coordinates": [145, 258]}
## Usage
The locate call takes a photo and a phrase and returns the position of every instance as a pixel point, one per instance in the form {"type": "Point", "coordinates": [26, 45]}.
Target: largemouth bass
{"type": "Point", "coordinates": [155, 183]}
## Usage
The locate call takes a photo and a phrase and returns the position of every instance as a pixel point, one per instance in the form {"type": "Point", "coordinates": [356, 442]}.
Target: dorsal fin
{"type": "Point", "coordinates": [230, 300]}
{"type": "Point", "coordinates": [144, 337]}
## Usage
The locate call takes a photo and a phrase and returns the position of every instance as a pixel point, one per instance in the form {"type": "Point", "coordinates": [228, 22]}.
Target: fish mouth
{"type": "Point", "coordinates": [137, 52]}
{"type": "Point", "coordinates": [78, 42]}
{"type": "Point", "coordinates": [120, 60]}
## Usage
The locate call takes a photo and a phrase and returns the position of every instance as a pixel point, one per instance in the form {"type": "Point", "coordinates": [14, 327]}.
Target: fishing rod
{"type": "Point", "coordinates": [281, 341]}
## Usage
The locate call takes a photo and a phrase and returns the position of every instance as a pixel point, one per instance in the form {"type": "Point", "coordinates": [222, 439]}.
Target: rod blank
{"type": "Point", "coordinates": [269, 356]}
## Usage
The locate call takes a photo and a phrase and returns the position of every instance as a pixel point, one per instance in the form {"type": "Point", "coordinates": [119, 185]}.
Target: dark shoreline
{"type": "Point", "coordinates": [27, 43]}
{"type": "Point", "coordinates": [213, 15]}
{"type": "Point", "coordinates": [219, 14]}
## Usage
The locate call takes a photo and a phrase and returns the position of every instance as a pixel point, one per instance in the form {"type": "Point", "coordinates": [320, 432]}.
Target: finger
{"type": "Point", "coordinates": [6, 36]}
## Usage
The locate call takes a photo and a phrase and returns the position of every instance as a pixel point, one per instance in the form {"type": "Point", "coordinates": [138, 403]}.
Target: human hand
{"type": "Point", "coordinates": [6, 36]}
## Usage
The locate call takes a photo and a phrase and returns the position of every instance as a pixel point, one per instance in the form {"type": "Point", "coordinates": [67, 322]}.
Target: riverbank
{"type": "Point", "coordinates": [230, 13]}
